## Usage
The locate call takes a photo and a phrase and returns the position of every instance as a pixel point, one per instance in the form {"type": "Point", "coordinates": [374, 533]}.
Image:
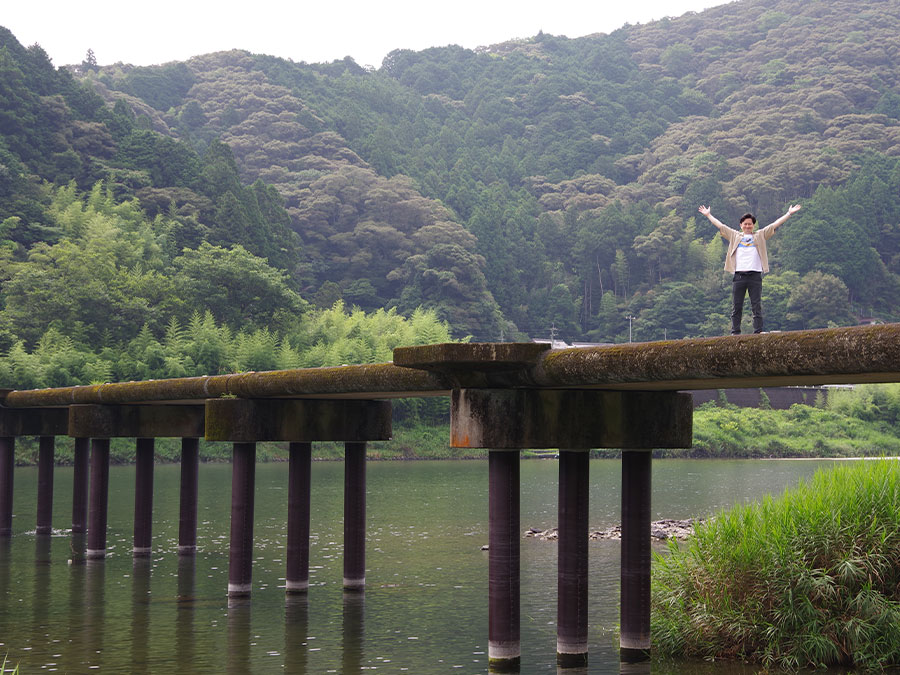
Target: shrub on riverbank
{"type": "Point", "coordinates": [808, 579]}
{"type": "Point", "coordinates": [801, 431]}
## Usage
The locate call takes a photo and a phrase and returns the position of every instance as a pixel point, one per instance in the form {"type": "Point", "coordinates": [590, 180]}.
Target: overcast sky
{"type": "Point", "coordinates": [158, 31]}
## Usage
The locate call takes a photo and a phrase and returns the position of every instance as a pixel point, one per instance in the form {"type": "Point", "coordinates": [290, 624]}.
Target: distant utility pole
{"type": "Point", "coordinates": [552, 333]}
{"type": "Point", "coordinates": [630, 319]}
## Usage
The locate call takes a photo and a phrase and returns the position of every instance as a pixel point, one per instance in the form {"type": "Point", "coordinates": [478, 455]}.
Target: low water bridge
{"type": "Point", "coordinates": [505, 397]}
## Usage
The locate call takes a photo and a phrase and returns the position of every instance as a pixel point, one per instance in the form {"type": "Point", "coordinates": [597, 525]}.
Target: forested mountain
{"type": "Point", "coordinates": [536, 186]}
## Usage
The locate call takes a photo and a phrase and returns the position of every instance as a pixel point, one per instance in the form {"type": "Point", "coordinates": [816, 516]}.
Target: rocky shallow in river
{"type": "Point", "coordinates": [667, 528]}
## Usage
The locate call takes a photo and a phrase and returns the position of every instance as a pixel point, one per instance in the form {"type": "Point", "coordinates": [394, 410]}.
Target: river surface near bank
{"type": "Point", "coordinates": [425, 605]}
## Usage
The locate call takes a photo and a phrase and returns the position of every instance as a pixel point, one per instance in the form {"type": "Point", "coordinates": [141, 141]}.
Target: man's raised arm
{"type": "Point", "coordinates": [705, 210]}
{"type": "Point", "coordinates": [791, 211]}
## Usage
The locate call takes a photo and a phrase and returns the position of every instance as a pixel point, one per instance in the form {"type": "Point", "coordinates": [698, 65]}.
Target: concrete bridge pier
{"type": "Point", "coordinates": [7, 466]}
{"type": "Point", "coordinates": [80, 481]}
{"type": "Point", "coordinates": [572, 565]}
{"type": "Point", "coordinates": [511, 419]}
{"type": "Point", "coordinates": [145, 423]}
{"type": "Point", "coordinates": [143, 498]}
{"type": "Point", "coordinates": [187, 509]}
{"type": "Point", "coordinates": [504, 526]}
{"type": "Point", "coordinates": [98, 499]}
{"type": "Point", "coordinates": [634, 633]}
{"type": "Point", "coordinates": [354, 517]}
{"type": "Point", "coordinates": [46, 457]}
{"type": "Point", "coordinates": [299, 480]}
{"type": "Point", "coordinates": [240, 553]}
{"type": "Point", "coordinates": [300, 422]}
{"type": "Point", "coordinates": [46, 423]}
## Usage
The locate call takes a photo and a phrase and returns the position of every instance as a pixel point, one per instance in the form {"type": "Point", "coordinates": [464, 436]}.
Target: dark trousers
{"type": "Point", "coordinates": [750, 283]}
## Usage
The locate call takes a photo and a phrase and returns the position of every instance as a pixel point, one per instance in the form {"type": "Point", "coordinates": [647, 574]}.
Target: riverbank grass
{"type": "Point", "coordinates": [807, 579]}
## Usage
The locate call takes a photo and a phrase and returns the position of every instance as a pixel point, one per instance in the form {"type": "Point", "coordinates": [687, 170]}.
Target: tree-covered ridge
{"type": "Point", "coordinates": [540, 184]}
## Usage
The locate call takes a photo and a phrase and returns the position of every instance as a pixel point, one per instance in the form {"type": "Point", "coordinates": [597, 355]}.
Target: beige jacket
{"type": "Point", "coordinates": [733, 237]}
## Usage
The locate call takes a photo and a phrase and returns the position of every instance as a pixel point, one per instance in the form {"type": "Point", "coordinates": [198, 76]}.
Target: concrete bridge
{"type": "Point", "coordinates": [505, 397]}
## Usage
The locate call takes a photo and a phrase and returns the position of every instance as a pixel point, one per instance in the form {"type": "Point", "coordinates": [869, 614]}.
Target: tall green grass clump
{"type": "Point", "coordinates": [810, 579]}
{"type": "Point", "coordinates": [3, 669]}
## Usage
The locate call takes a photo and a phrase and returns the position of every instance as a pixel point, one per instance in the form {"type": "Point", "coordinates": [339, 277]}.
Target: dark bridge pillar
{"type": "Point", "coordinates": [143, 498]}
{"type": "Point", "coordinates": [46, 452]}
{"type": "Point", "coordinates": [80, 485]}
{"type": "Point", "coordinates": [572, 565]}
{"type": "Point", "coordinates": [100, 423]}
{"type": "Point", "coordinates": [354, 516]}
{"type": "Point", "coordinates": [509, 419]}
{"type": "Point", "coordinates": [299, 480]}
{"type": "Point", "coordinates": [634, 636]}
{"type": "Point", "coordinates": [7, 465]}
{"type": "Point", "coordinates": [14, 422]}
{"type": "Point", "coordinates": [187, 518]}
{"type": "Point", "coordinates": [240, 554]}
{"type": "Point", "coordinates": [300, 421]}
{"type": "Point", "coordinates": [504, 526]}
{"type": "Point", "coordinates": [98, 499]}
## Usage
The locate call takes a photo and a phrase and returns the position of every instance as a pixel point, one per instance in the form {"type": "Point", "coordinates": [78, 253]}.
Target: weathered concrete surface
{"type": "Point", "coordinates": [385, 379]}
{"type": "Point", "coordinates": [472, 365]}
{"type": "Point", "coordinates": [34, 422]}
{"type": "Point", "coordinates": [136, 421]}
{"type": "Point", "coordinates": [251, 420]}
{"type": "Point", "coordinates": [826, 356]}
{"type": "Point", "coordinates": [553, 418]}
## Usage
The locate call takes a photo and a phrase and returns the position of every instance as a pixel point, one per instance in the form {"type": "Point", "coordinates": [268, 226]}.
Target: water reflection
{"type": "Point", "coordinates": [93, 608]}
{"type": "Point", "coordinates": [77, 572]}
{"type": "Point", "coordinates": [78, 548]}
{"type": "Point", "coordinates": [5, 573]}
{"type": "Point", "coordinates": [296, 632]}
{"type": "Point", "coordinates": [239, 635]}
{"type": "Point", "coordinates": [184, 613]}
{"type": "Point", "coordinates": [572, 671]}
{"type": "Point", "coordinates": [140, 614]}
{"type": "Point", "coordinates": [642, 668]}
{"type": "Point", "coordinates": [352, 627]}
{"type": "Point", "coordinates": [430, 615]}
{"type": "Point", "coordinates": [41, 597]}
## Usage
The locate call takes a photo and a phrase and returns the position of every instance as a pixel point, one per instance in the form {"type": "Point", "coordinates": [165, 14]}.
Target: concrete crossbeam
{"type": "Point", "coordinates": [299, 420]}
{"type": "Point", "coordinates": [136, 421]}
{"type": "Point", "coordinates": [553, 418]}
{"type": "Point", "coordinates": [34, 421]}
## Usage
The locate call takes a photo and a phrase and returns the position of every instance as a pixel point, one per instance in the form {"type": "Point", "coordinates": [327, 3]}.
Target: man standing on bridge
{"type": "Point", "coordinates": [747, 260]}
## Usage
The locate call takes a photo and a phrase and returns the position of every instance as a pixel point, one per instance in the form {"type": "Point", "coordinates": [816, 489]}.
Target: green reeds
{"type": "Point", "coordinates": [3, 670]}
{"type": "Point", "coordinates": [809, 579]}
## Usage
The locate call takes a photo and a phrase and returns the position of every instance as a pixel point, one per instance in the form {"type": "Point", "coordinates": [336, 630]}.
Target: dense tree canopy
{"type": "Point", "coordinates": [542, 184]}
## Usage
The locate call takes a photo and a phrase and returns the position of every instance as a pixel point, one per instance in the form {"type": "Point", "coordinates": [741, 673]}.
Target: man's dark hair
{"type": "Point", "coordinates": [748, 215]}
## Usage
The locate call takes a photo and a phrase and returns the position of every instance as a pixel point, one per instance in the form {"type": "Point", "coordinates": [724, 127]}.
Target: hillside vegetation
{"type": "Point", "coordinates": [536, 186]}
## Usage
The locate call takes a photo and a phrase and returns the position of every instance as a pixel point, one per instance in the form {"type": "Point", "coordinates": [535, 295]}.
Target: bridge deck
{"type": "Point", "coordinates": [827, 356]}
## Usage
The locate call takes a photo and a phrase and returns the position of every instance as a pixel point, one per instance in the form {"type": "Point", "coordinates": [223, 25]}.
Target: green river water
{"type": "Point", "coordinates": [425, 606]}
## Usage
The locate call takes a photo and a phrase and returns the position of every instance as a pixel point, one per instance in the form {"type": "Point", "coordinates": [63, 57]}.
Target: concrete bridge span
{"type": "Point", "coordinates": [504, 397]}
{"type": "Point", "coordinates": [826, 356]}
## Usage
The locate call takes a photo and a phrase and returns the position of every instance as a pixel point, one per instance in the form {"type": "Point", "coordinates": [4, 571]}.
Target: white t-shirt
{"type": "Point", "coordinates": [746, 256]}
